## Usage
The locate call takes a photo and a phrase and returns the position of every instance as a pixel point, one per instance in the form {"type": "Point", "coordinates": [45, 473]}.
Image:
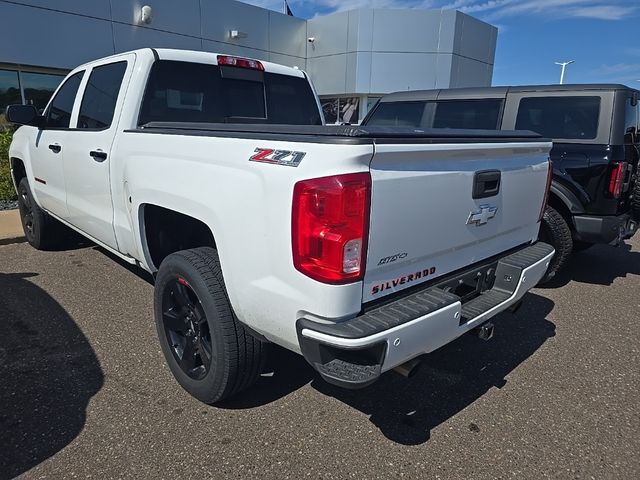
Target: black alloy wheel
{"type": "Point", "coordinates": [208, 350]}
{"type": "Point", "coordinates": [186, 328]}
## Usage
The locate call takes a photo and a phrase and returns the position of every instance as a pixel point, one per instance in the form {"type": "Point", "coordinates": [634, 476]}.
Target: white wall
{"type": "Point", "coordinates": [379, 51]}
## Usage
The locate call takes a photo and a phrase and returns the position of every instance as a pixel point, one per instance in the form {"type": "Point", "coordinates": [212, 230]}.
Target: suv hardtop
{"type": "Point", "coordinates": [595, 194]}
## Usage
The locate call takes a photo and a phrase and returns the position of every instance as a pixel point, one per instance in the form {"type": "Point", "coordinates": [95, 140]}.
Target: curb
{"type": "Point", "coordinates": [12, 240]}
{"type": "Point", "coordinates": [11, 227]}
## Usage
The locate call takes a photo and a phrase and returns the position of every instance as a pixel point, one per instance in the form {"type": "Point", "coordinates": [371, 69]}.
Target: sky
{"type": "Point", "coordinates": [603, 38]}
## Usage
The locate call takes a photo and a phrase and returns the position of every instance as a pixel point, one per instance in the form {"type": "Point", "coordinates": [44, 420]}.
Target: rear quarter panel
{"type": "Point", "coordinates": [247, 205]}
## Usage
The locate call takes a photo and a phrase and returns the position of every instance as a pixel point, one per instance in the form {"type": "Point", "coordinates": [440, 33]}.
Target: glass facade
{"type": "Point", "coordinates": [9, 91]}
{"type": "Point", "coordinates": [31, 87]}
{"type": "Point", "coordinates": [38, 87]}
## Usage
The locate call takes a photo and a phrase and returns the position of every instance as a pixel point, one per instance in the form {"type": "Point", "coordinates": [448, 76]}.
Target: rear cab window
{"type": "Point", "coordinates": [202, 93]}
{"type": "Point", "coordinates": [570, 117]}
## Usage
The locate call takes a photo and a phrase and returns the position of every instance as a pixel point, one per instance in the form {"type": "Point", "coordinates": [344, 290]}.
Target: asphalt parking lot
{"type": "Point", "coordinates": [84, 391]}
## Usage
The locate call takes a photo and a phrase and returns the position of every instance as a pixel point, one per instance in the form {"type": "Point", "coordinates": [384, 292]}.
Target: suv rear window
{"type": "Point", "coordinates": [201, 93]}
{"type": "Point", "coordinates": [474, 114]}
{"type": "Point", "coordinates": [560, 117]}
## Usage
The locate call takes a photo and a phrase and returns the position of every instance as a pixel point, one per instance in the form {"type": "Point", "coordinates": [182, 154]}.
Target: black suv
{"type": "Point", "coordinates": [595, 194]}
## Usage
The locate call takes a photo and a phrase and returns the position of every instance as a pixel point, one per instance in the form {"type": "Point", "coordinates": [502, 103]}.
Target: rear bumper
{"type": "Point", "coordinates": [607, 229]}
{"type": "Point", "coordinates": [354, 353]}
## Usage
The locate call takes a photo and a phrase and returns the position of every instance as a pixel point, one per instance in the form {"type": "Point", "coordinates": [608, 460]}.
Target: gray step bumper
{"type": "Point", "coordinates": [355, 352]}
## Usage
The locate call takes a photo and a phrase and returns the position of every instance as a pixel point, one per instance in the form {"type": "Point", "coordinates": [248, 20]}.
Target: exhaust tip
{"type": "Point", "coordinates": [408, 369]}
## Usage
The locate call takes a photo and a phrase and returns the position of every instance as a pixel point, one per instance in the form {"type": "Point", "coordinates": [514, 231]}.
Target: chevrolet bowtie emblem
{"type": "Point", "coordinates": [482, 216]}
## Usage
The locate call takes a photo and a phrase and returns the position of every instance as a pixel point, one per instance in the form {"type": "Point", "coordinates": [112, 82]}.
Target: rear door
{"type": "Point", "coordinates": [86, 161]}
{"type": "Point", "coordinates": [425, 221]}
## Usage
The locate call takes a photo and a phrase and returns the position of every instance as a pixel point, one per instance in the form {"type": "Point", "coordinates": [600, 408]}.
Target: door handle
{"type": "Point", "coordinates": [486, 183]}
{"type": "Point", "coordinates": [55, 148]}
{"type": "Point", "coordinates": [98, 155]}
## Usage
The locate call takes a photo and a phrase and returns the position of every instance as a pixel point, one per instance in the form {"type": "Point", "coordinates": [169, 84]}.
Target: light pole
{"type": "Point", "coordinates": [564, 65]}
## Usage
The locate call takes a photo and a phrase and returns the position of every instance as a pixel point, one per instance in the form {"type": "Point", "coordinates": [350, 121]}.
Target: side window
{"type": "Point", "coordinates": [560, 117]}
{"type": "Point", "coordinates": [631, 115]}
{"type": "Point", "coordinates": [475, 114]}
{"type": "Point", "coordinates": [100, 96]}
{"type": "Point", "coordinates": [397, 114]}
{"type": "Point", "coordinates": [59, 112]}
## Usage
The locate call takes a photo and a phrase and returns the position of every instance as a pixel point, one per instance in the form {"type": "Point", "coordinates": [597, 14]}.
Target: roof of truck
{"type": "Point", "coordinates": [201, 57]}
{"type": "Point", "coordinates": [488, 92]}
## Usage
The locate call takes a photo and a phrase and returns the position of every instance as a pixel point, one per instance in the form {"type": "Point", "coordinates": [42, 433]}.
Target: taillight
{"type": "Point", "coordinates": [330, 226]}
{"type": "Point", "coordinates": [547, 190]}
{"type": "Point", "coordinates": [240, 62]}
{"type": "Point", "coordinates": [618, 174]}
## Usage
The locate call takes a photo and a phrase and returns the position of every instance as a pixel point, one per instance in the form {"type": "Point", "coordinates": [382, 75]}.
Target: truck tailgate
{"type": "Point", "coordinates": [425, 222]}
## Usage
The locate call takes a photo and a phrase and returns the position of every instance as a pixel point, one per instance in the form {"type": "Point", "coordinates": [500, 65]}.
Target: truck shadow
{"type": "Point", "coordinates": [599, 265]}
{"type": "Point", "coordinates": [449, 380]}
{"type": "Point", "coordinates": [48, 374]}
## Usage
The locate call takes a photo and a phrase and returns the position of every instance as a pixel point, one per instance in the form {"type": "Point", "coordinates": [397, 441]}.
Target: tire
{"type": "Point", "coordinates": [555, 231]}
{"type": "Point", "coordinates": [210, 353]}
{"type": "Point", "coordinates": [41, 230]}
{"type": "Point", "coordinates": [580, 246]}
{"type": "Point", "coordinates": [635, 202]}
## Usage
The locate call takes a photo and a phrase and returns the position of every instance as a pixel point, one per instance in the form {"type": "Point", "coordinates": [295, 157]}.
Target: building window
{"type": "Point", "coordinates": [38, 87]}
{"type": "Point", "coordinates": [9, 91]}
{"type": "Point", "coordinates": [341, 110]}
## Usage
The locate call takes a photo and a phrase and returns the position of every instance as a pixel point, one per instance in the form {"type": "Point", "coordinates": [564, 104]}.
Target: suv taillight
{"type": "Point", "coordinates": [618, 174]}
{"type": "Point", "coordinates": [546, 192]}
{"type": "Point", "coordinates": [330, 226]}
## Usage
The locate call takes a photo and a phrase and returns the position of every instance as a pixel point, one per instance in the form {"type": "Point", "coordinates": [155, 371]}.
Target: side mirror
{"type": "Point", "coordinates": [24, 115]}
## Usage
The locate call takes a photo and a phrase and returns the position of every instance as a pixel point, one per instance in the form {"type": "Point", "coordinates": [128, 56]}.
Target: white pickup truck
{"type": "Point", "coordinates": [360, 248]}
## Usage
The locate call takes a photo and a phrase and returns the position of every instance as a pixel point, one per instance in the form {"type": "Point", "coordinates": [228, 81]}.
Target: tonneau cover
{"type": "Point", "coordinates": [350, 131]}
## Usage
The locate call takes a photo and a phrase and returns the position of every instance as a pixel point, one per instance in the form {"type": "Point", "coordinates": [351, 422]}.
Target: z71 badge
{"type": "Point", "coordinates": [277, 157]}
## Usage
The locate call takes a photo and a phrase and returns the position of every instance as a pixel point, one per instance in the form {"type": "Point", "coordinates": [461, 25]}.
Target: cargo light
{"type": "Point", "coordinates": [545, 200]}
{"type": "Point", "coordinates": [240, 62]}
{"type": "Point", "coordinates": [330, 227]}
{"type": "Point", "coordinates": [618, 174]}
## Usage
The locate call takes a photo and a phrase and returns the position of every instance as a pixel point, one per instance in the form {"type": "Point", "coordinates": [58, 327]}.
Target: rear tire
{"type": "Point", "coordinates": [41, 230]}
{"type": "Point", "coordinates": [635, 202]}
{"type": "Point", "coordinates": [555, 231]}
{"type": "Point", "coordinates": [210, 353]}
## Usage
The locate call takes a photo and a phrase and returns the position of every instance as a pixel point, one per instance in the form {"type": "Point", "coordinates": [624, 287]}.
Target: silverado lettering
{"type": "Point", "coordinates": [402, 280]}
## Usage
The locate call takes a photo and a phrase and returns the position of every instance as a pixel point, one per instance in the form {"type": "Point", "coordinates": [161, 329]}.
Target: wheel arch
{"type": "Point", "coordinates": [565, 202]}
{"type": "Point", "coordinates": [18, 170]}
{"type": "Point", "coordinates": [164, 231]}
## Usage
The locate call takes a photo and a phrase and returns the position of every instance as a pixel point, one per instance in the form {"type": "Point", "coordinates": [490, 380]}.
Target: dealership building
{"type": "Point", "coordinates": [352, 57]}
